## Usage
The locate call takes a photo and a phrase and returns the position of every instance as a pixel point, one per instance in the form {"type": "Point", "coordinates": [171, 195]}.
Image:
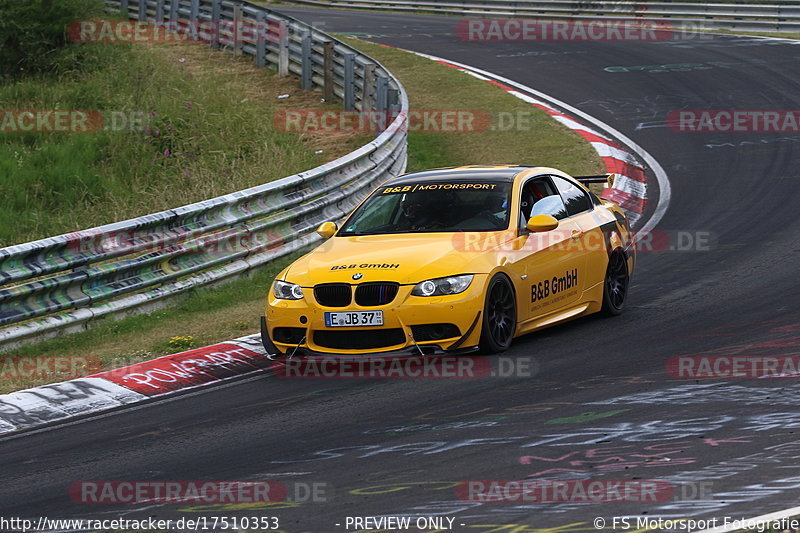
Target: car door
{"type": "Point", "coordinates": [553, 263]}
{"type": "Point", "coordinates": [590, 242]}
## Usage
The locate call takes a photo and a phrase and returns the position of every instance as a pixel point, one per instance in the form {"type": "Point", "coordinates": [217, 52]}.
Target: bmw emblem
{"type": "Point", "coordinates": [358, 275]}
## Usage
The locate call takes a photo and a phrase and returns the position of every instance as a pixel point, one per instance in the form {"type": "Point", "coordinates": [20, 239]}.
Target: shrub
{"type": "Point", "coordinates": [33, 33]}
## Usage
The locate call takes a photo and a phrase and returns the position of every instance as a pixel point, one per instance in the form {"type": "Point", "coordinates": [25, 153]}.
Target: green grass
{"type": "Point", "coordinates": [203, 135]}
{"type": "Point", "coordinates": [211, 315]}
{"type": "Point", "coordinates": [432, 86]}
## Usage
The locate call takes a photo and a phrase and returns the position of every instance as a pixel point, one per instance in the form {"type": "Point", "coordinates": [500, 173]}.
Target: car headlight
{"type": "Point", "coordinates": [287, 291]}
{"type": "Point", "coordinates": [441, 286]}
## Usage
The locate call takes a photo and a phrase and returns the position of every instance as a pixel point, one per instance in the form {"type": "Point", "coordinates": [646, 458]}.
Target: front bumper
{"type": "Point", "coordinates": [462, 310]}
{"type": "Point", "coordinates": [417, 350]}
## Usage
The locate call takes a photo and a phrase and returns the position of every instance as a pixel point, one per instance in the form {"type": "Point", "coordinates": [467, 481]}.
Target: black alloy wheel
{"type": "Point", "coordinates": [499, 315]}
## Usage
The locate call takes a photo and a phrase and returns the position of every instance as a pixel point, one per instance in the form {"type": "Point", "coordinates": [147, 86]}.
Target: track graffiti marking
{"type": "Point", "coordinates": [614, 458]}
{"type": "Point", "coordinates": [490, 421]}
{"type": "Point", "coordinates": [702, 393]}
{"type": "Point", "coordinates": [753, 142]}
{"type": "Point", "coordinates": [585, 417]}
{"type": "Point", "coordinates": [690, 67]}
{"type": "Point", "coordinates": [623, 432]}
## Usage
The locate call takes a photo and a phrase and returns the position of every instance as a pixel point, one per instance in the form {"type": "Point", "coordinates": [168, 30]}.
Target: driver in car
{"type": "Point", "coordinates": [420, 212]}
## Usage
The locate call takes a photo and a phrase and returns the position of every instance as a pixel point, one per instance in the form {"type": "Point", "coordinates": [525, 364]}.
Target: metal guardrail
{"type": "Point", "coordinates": [65, 281]}
{"type": "Point", "coordinates": [741, 16]}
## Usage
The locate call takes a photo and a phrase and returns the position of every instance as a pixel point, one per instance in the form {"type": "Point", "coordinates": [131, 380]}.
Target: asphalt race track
{"type": "Point", "coordinates": [600, 405]}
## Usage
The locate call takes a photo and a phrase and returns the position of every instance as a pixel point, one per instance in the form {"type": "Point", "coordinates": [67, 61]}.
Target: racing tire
{"type": "Point", "coordinates": [615, 284]}
{"type": "Point", "coordinates": [499, 315]}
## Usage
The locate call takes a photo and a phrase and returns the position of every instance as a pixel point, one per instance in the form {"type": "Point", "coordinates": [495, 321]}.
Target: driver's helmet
{"type": "Point", "coordinates": [414, 204]}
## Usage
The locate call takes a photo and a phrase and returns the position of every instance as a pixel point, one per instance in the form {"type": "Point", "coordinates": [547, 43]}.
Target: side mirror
{"type": "Point", "coordinates": [327, 229]}
{"type": "Point", "coordinates": [541, 223]}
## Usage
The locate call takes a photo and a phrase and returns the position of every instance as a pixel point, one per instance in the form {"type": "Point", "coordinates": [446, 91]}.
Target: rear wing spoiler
{"type": "Point", "coordinates": [607, 179]}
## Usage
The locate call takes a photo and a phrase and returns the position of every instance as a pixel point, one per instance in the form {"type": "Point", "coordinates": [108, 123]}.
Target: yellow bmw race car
{"type": "Point", "coordinates": [454, 260]}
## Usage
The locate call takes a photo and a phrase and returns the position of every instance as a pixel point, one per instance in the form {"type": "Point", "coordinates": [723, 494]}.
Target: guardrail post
{"type": "Point", "coordinates": [142, 10]}
{"type": "Point", "coordinates": [159, 10]}
{"type": "Point", "coordinates": [283, 49]}
{"type": "Point", "coordinates": [382, 93]}
{"type": "Point", "coordinates": [174, 6]}
{"type": "Point", "coordinates": [194, 17]}
{"type": "Point", "coordinates": [237, 29]}
{"type": "Point", "coordinates": [124, 8]}
{"type": "Point", "coordinates": [261, 42]}
{"type": "Point", "coordinates": [392, 102]}
{"type": "Point", "coordinates": [382, 101]}
{"type": "Point", "coordinates": [367, 102]}
{"type": "Point", "coordinates": [327, 48]}
{"type": "Point", "coordinates": [306, 81]}
{"type": "Point", "coordinates": [349, 81]}
{"type": "Point", "coordinates": [216, 15]}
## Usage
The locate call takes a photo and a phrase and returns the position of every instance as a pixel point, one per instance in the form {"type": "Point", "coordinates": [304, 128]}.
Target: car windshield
{"type": "Point", "coordinates": [432, 207]}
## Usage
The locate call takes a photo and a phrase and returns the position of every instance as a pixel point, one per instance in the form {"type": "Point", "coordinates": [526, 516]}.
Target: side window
{"type": "Point", "coordinates": [575, 198]}
{"type": "Point", "coordinates": [539, 197]}
{"type": "Point", "coordinates": [552, 205]}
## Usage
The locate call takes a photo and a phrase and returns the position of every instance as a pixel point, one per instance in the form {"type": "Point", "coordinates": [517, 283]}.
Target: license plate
{"type": "Point", "coordinates": [353, 318]}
